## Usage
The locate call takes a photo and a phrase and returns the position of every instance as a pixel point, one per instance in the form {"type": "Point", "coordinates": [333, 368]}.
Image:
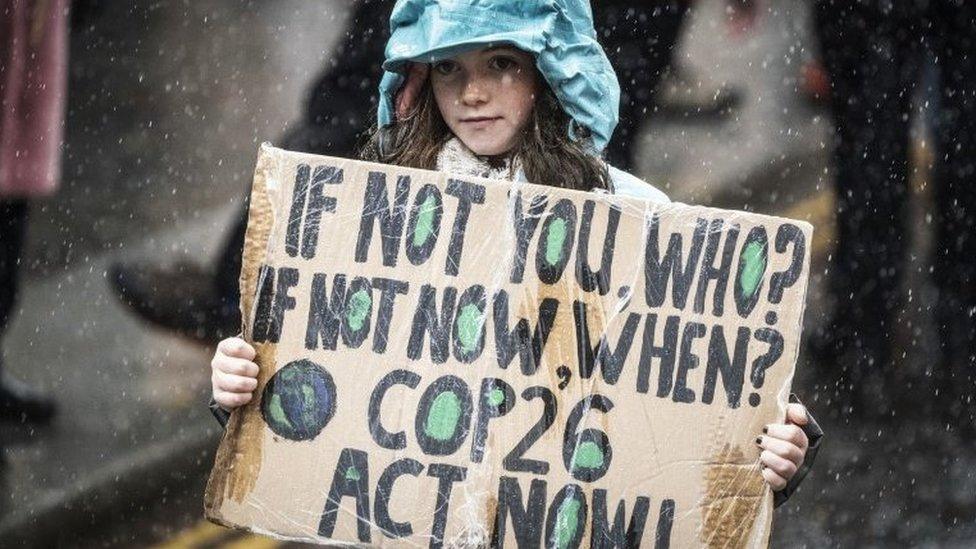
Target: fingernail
{"type": "Point", "coordinates": [758, 440]}
{"type": "Point", "coordinates": [765, 430]}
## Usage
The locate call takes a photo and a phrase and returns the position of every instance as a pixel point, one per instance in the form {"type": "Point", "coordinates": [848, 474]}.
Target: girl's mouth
{"type": "Point", "coordinates": [479, 122]}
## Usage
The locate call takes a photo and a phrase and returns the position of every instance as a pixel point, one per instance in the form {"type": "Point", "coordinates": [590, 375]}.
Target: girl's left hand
{"type": "Point", "coordinates": [784, 446]}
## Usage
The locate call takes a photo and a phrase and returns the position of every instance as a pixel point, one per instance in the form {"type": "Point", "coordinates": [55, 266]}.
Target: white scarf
{"type": "Point", "coordinates": [457, 159]}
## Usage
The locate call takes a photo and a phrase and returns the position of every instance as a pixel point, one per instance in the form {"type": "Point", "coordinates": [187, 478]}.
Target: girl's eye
{"type": "Point", "coordinates": [502, 63]}
{"type": "Point", "coordinates": [445, 67]}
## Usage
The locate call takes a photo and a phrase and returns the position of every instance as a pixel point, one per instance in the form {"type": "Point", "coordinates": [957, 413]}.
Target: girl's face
{"type": "Point", "coordinates": [486, 97]}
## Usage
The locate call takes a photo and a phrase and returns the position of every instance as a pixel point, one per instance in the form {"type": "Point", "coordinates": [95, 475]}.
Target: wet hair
{"type": "Point", "coordinates": [547, 153]}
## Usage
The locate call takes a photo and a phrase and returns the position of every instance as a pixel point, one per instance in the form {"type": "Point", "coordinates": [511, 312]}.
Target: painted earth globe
{"type": "Point", "coordinates": [299, 400]}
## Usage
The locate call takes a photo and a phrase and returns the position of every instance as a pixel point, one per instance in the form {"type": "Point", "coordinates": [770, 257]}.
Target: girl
{"type": "Point", "coordinates": [507, 90]}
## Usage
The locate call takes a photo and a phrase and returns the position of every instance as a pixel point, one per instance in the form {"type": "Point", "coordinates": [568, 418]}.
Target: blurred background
{"type": "Point", "coordinates": [857, 117]}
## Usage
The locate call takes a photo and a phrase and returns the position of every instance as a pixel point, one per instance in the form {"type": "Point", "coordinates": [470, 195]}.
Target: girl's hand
{"type": "Point", "coordinates": [234, 376]}
{"type": "Point", "coordinates": [784, 446]}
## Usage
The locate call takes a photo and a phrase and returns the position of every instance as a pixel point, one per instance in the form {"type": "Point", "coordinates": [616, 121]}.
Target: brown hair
{"type": "Point", "coordinates": [548, 155]}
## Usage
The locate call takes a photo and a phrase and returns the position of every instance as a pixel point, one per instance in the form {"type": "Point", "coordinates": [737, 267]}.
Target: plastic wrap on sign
{"type": "Point", "coordinates": [450, 361]}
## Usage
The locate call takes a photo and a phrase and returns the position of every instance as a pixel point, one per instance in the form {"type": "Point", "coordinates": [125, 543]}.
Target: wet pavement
{"type": "Point", "coordinates": [168, 102]}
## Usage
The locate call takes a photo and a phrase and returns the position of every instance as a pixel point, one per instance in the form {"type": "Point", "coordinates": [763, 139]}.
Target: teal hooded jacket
{"type": "Point", "coordinates": [559, 33]}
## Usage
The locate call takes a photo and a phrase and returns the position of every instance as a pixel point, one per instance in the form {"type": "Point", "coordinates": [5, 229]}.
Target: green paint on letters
{"type": "Point", "coordinates": [359, 305]}
{"type": "Point", "coordinates": [754, 263]}
{"type": "Point", "coordinates": [554, 241]}
{"type": "Point", "coordinates": [425, 221]}
{"type": "Point", "coordinates": [588, 455]}
{"type": "Point", "coordinates": [567, 521]}
{"type": "Point", "coordinates": [352, 473]}
{"type": "Point", "coordinates": [469, 327]}
{"type": "Point", "coordinates": [277, 412]}
{"type": "Point", "coordinates": [496, 397]}
{"type": "Point", "coordinates": [442, 419]}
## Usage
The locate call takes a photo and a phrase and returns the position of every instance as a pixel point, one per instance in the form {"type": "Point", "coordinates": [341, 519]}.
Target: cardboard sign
{"type": "Point", "coordinates": [450, 361]}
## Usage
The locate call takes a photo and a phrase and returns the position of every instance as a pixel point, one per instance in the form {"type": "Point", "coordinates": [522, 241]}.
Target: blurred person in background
{"type": "Point", "coordinates": [33, 77]}
{"type": "Point", "coordinates": [873, 52]}
{"type": "Point", "coordinates": [202, 303]}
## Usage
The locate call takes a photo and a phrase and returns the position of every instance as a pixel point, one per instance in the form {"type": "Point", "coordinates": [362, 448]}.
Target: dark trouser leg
{"type": "Point", "coordinates": [17, 400]}
{"type": "Point", "coordinates": [639, 38]}
{"type": "Point", "coordinates": [870, 55]}
{"type": "Point", "coordinates": [955, 201]}
{"type": "Point", "coordinates": [13, 224]}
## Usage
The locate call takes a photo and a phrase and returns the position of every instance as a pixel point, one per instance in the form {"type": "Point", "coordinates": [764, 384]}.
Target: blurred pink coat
{"type": "Point", "coordinates": [33, 77]}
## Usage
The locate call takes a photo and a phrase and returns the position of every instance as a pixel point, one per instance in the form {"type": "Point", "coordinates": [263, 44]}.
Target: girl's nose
{"type": "Point", "coordinates": [474, 92]}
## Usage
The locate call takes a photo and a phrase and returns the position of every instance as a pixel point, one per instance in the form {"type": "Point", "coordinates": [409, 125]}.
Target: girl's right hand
{"type": "Point", "coordinates": [234, 376]}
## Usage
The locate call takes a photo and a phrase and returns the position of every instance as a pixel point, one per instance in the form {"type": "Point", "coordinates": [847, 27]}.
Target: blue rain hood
{"type": "Point", "coordinates": [558, 32]}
